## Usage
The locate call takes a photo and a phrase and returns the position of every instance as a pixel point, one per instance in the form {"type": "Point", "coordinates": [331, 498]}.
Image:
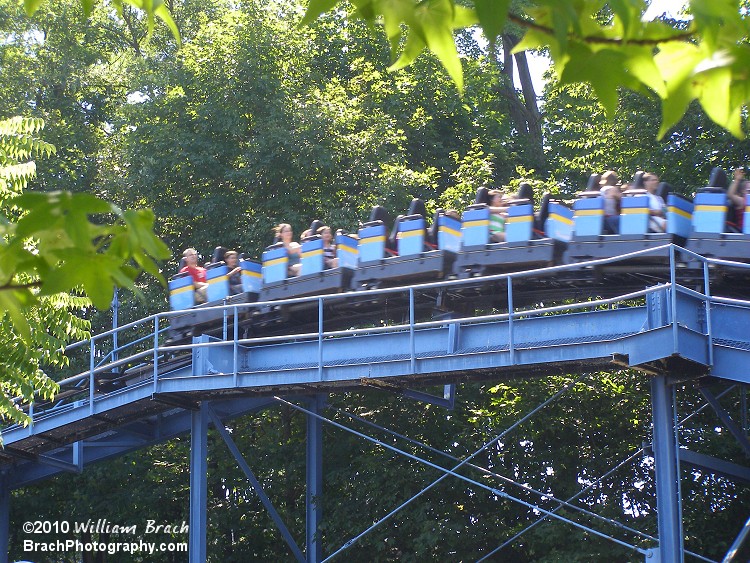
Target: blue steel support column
{"type": "Point", "coordinates": [669, 511]}
{"type": "Point", "coordinates": [314, 495]}
{"type": "Point", "coordinates": [4, 518]}
{"type": "Point", "coordinates": [198, 486]}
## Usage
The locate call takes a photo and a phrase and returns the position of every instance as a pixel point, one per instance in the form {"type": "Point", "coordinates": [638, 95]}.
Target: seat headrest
{"type": "Point", "coordinates": [378, 213]}
{"type": "Point", "coordinates": [718, 178]}
{"type": "Point", "coordinates": [371, 224]}
{"type": "Point", "coordinates": [634, 192]}
{"type": "Point", "coordinates": [218, 255]}
{"type": "Point", "coordinates": [525, 191]}
{"type": "Point", "coordinates": [593, 182]}
{"type": "Point", "coordinates": [483, 196]}
{"type": "Point", "coordinates": [711, 190]}
{"type": "Point", "coordinates": [417, 207]}
{"type": "Point", "coordinates": [519, 201]}
{"type": "Point", "coordinates": [663, 190]}
{"type": "Point", "coordinates": [637, 181]}
{"type": "Point", "coordinates": [315, 225]}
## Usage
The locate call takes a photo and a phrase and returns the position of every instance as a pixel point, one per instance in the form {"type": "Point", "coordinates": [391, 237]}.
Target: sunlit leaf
{"type": "Point", "coordinates": [315, 8]}
{"type": "Point", "coordinates": [163, 13]}
{"type": "Point", "coordinates": [714, 94]}
{"type": "Point", "coordinates": [412, 48]}
{"type": "Point", "coordinates": [492, 15]}
{"type": "Point", "coordinates": [585, 66]}
{"type": "Point", "coordinates": [88, 6]}
{"type": "Point", "coordinates": [31, 6]}
{"type": "Point", "coordinates": [435, 25]}
{"type": "Point", "coordinates": [464, 17]}
{"type": "Point", "coordinates": [640, 62]}
{"type": "Point", "coordinates": [674, 106]}
{"type": "Point", "coordinates": [11, 304]}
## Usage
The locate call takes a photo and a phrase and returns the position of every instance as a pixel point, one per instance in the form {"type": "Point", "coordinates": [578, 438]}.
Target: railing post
{"type": "Point", "coordinates": [707, 303]}
{"type": "Point", "coordinates": [156, 352]}
{"type": "Point", "coordinates": [673, 300]}
{"type": "Point", "coordinates": [511, 347]}
{"type": "Point", "coordinates": [412, 351]}
{"type": "Point", "coordinates": [92, 353]}
{"type": "Point", "coordinates": [115, 322]}
{"type": "Point", "coordinates": [320, 339]}
{"type": "Point", "coordinates": [224, 328]}
{"type": "Point", "coordinates": [235, 350]}
{"type": "Point", "coordinates": [31, 416]}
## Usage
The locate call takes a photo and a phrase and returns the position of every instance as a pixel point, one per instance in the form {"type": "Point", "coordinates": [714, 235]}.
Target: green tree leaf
{"type": "Point", "coordinates": [492, 15]}
{"type": "Point", "coordinates": [31, 6]}
{"type": "Point", "coordinates": [315, 8]}
{"type": "Point", "coordinates": [585, 66]}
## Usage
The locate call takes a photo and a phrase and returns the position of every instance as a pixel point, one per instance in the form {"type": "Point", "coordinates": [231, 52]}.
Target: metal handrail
{"type": "Point", "coordinates": [540, 272]}
{"type": "Point", "coordinates": [423, 324]}
{"type": "Point", "coordinates": [321, 299]}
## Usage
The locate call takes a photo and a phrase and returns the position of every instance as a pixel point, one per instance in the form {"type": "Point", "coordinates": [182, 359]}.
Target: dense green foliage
{"type": "Point", "coordinates": [256, 120]}
{"type": "Point", "coordinates": [54, 243]}
{"type": "Point", "coordinates": [608, 45]}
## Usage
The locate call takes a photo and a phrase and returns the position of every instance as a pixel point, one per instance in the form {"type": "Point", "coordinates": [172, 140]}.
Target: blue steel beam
{"type": "Point", "coordinates": [121, 440]}
{"type": "Point", "coordinates": [452, 346]}
{"type": "Point", "coordinates": [452, 472]}
{"type": "Point", "coordinates": [732, 553]}
{"type": "Point", "coordinates": [219, 425]}
{"type": "Point", "coordinates": [562, 503]}
{"type": "Point", "coordinates": [715, 465]}
{"type": "Point", "coordinates": [729, 322]}
{"type": "Point", "coordinates": [538, 343]}
{"type": "Point", "coordinates": [314, 479]}
{"type": "Point", "coordinates": [735, 430]}
{"type": "Point", "coordinates": [198, 484]}
{"type": "Point", "coordinates": [569, 500]}
{"type": "Point", "coordinates": [447, 401]}
{"type": "Point", "coordinates": [543, 495]}
{"type": "Point", "coordinates": [686, 456]}
{"type": "Point", "coordinates": [667, 472]}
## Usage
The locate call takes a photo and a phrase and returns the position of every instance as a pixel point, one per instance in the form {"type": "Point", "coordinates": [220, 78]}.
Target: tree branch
{"type": "Point", "coordinates": [523, 22]}
{"type": "Point", "coordinates": [10, 286]}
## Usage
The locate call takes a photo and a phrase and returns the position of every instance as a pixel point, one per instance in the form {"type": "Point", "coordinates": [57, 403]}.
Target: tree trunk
{"type": "Point", "coordinates": [534, 117]}
{"type": "Point", "coordinates": [524, 110]}
{"type": "Point", "coordinates": [509, 92]}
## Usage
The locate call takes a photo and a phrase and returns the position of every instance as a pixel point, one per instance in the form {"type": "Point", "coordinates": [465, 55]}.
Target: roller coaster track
{"type": "Point", "coordinates": [670, 322]}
